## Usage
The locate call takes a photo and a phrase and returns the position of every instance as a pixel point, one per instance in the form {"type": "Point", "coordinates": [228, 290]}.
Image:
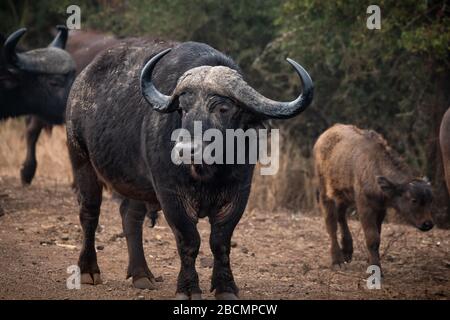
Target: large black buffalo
{"type": "Point", "coordinates": [119, 127]}
{"type": "Point", "coordinates": [83, 46]}
{"type": "Point", "coordinates": [36, 82]}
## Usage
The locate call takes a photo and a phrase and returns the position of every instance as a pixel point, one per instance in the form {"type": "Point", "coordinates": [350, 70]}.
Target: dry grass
{"type": "Point", "coordinates": [52, 157]}
{"type": "Point", "coordinates": [291, 188]}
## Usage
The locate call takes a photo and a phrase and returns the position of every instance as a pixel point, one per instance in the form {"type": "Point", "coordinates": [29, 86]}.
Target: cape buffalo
{"type": "Point", "coordinates": [37, 81]}
{"type": "Point", "coordinates": [83, 46]}
{"type": "Point", "coordinates": [444, 140]}
{"type": "Point", "coordinates": [120, 137]}
{"type": "Point", "coordinates": [357, 167]}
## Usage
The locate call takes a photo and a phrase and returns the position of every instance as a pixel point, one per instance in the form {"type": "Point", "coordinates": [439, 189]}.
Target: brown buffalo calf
{"type": "Point", "coordinates": [444, 140]}
{"type": "Point", "coordinates": [357, 167]}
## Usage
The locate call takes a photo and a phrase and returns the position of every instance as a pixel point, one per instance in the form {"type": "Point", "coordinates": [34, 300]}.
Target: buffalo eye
{"type": "Point", "coordinates": [220, 104]}
{"type": "Point", "coordinates": [414, 200]}
{"type": "Point", "coordinates": [223, 108]}
{"type": "Point", "coordinates": [56, 81]}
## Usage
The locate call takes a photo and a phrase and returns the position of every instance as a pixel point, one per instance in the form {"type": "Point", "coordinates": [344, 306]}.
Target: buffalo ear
{"type": "Point", "coordinates": [388, 187]}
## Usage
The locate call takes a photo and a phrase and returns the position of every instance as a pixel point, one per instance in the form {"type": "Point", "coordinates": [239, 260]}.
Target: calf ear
{"type": "Point", "coordinates": [389, 188]}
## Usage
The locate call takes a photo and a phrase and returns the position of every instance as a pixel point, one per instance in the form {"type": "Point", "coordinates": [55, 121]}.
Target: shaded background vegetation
{"type": "Point", "coordinates": [394, 80]}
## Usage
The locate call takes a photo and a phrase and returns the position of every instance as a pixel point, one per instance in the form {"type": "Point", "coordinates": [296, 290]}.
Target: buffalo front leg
{"type": "Point", "coordinates": [90, 199]}
{"type": "Point", "coordinates": [222, 277]}
{"type": "Point", "coordinates": [33, 130]}
{"type": "Point", "coordinates": [133, 214]}
{"type": "Point", "coordinates": [188, 244]}
{"type": "Point", "coordinates": [371, 225]}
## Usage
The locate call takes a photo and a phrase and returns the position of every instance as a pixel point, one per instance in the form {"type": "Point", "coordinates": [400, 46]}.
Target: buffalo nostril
{"type": "Point", "coordinates": [427, 225]}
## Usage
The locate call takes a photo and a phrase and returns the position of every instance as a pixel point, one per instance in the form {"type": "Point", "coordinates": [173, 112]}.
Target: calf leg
{"type": "Point", "coordinates": [222, 277]}
{"type": "Point", "coordinates": [33, 130]}
{"type": "Point", "coordinates": [371, 224]}
{"type": "Point", "coordinates": [90, 199]}
{"type": "Point", "coordinates": [133, 214]}
{"type": "Point", "coordinates": [381, 214]}
{"type": "Point", "coordinates": [329, 210]}
{"type": "Point", "coordinates": [346, 236]}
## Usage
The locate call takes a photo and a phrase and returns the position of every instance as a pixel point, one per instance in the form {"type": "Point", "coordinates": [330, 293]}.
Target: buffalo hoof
{"type": "Point", "coordinates": [226, 296]}
{"type": "Point", "coordinates": [196, 296]}
{"type": "Point", "coordinates": [184, 296]}
{"type": "Point", "coordinates": [25, 181]}
{"type": "Point", "coordinates": [347, 257]}
{"type": "Point", "coordinates": [27, 174]}
{"type": "Point", "coordinates": [144, 283]}
{"type": "Point", "coordinates": [91, 278]}
{"type": "Point", "coordinates": [181, 296]}
{"type": "Point", "coordinates": [338, 266]}
{"type": "Point", "coordinates": [337, 258]}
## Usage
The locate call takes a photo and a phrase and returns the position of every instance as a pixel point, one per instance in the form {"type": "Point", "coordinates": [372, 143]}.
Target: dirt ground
{"type": "Point", "coordinates": [274, 256]}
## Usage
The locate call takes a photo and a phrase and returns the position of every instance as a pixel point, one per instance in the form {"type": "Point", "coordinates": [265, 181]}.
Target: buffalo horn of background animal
{"type": "Point", "coordinates": [50, 60]}
{"type": "Point", "coordinates": [61, 38]}
{"type": "Point", "coordinates": [243, 92]}
{"type": "Point", "coordinates": [9, 49]}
